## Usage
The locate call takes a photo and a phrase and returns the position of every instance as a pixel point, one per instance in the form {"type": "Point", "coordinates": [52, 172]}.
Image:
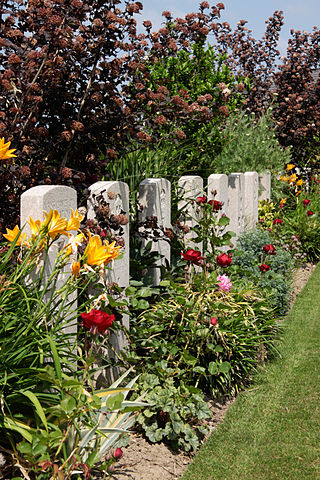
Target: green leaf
{"type": "Point", "coordinates": [37, 406]}
{"type": "Point", "coordinates": [224, 367]}
{"type": "Point", "coordinates": [223, 221]}
{"type": "Point", "coordinates": [145, 292]}
{"type": "Point", "coordinates": [212, 368]}
{"type": "Point", "coordinates": [68, 404]}
{"type": "Point", "coordinates": [143, 304]}
{"type": "Point", "coordinates": [56, 359]}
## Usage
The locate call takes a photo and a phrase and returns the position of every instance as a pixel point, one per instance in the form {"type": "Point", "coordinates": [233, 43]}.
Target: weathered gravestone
{"type": "Point", "coordinates": [155, 209]}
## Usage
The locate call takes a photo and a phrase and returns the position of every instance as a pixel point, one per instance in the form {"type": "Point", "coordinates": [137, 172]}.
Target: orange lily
{"type": "Point", "coordinates": [11, 235]}
{"type": "Point", "coordinates": [75, 268]}
{"type": "Point", "coordinates": [74, 221]}
{"type": "Point", "coordinates": [5, 153]}
{"type": "Point", "coordinates": [96, 253]}
{"type": "Point", "coordinates": [54, 223]}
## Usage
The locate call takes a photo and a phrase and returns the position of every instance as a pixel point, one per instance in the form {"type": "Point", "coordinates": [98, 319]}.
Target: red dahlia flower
{"type": "Point", "coordinates": [310, 213]}
{"type": "Point", "coordinates": [224, 260]}
{"type": "Point", "coordinates": [97, 320]}
{"type": "Point", "coordinates": [269, 249]}
{"type": "Point", "coordinates": [264, 267]}
{"type": "Point", "coordinates": [192, 256]}
{"type": "Point", "coordinates": [306, 202]}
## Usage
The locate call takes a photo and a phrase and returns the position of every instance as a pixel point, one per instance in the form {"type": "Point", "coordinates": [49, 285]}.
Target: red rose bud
{"type": "Point", "coordinates": [310, 213]}
{"type": "Point", "coordinates": [224, 260]}
{"type": "Point", "coordinates": [201, 200]}
{"type": "Point", "coordinates": [213, 321]}
{"type": "Point", "coordinates": [277, 221]}
{"type": "Point", "coordinates": [215, 204]}
{"type": "Point", "coordinates": [306, 202]}
{"type": "Point", "coordinates": [118, 453]}
{"type": "Point", "coordinates": [264, 267]}
{"type": "Point", "coordinates": [192, 256]}
{"type": "Point", "coordinates": [97, 320]}
{"type": "Point", "coordinates": [269, 249]}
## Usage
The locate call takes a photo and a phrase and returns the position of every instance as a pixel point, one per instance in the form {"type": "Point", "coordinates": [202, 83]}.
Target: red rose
{"type": "Point", "coordinates": [213, 321]}
{"type": "Point", "coordinates": [277, 221]}
{"type": "Point", "coordinates": [201, 200]}
{"type": "Point", "coordinates": [215, 204]}
{"type": "Point", "coordinates": [269, 249]}
{"type": "Point", "coordinates": [118, 453]}
{"type": "Point", "coordinates": [224, 260]}
{"type": "Point", "coordinates": [310, 213]}
{"type": "Point", "coordinates": [97, 320]}
{"type": "Point", "coordinates": [192, 256]}
{"type": "Point", "coordinates": [264, 267]}
{"type": "Point", "coordinates": [306, 202]}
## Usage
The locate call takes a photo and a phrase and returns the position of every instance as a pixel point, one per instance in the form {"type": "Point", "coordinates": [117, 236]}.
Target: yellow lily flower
{"type": "Point", "coordinates": [5, 153]}
{"type": "Point", "coordinates": [75, 268]}
{"type": "Point", "coordinates": [96, 253]}
{"type": "Point", "coordinates": [54, 223]}
{"type": "Point", "coordinates": [300, 182]}
{"type": "Point", "coordinates": [74, 221]}
{"type": "Point", "coordinates": [283, 201]}
{"type": "Point", "coordinates": [293, 178]}
{"type": "Point", "coordinates": [74, 243]}
{"type": "Point", "coordinates": [113, 252]}
{"type": "Point", "coordinates": [11, 235]}
{"type": "Point", "coordinates": [290, 166]}
{"type": "Point", "coordinates": [34, 226]}
{"type": "Point", "coordinates": [284, 179]}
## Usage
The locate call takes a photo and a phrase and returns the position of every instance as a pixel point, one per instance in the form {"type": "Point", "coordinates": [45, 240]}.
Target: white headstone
{"type": "Point", "coordinates": [218, 190]}
{"type": "Point", "coordinates": [155, 201]}
{"type": "Point", "coordinates": [251, 187]}
{"type": "Point", "coordinates": [33, 203]}
{"type": "Point", "coordinates": [116, 196]}
{"type": "Point", "coordinates": [189, 188]}
{"type": "Point", "coordinates": [236, 204]}
{"type": "Point", "coordinates": [265, 186]}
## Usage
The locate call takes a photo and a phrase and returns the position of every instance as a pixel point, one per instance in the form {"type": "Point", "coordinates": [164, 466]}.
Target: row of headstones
{"type": "Point", "coordinates": [239, 193]}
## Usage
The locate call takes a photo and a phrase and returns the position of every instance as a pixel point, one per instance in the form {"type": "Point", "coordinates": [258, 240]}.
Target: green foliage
{"type": "Point", "coordinates": [176, 339]}
{"type": "Point", "coordinates": [198, 71]}
{"type": "Point", "coordinates": [250, 145]}
{"type": "Point", "coordinates": [52, 418]}
{"type": "Point", "coordinates": [175, 413]}
{"type": "Point", "coordinates": [276, 282]}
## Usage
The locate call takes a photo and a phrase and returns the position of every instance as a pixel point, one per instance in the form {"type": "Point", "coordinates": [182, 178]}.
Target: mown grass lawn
{"type": "Point", "coordinates": [272, 431]}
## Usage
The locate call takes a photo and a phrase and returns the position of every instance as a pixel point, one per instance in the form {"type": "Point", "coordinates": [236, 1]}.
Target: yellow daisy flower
{"type": "Point", "coordinates": [5, 153]}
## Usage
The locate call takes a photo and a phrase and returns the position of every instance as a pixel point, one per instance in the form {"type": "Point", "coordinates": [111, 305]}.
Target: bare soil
{"type": "Point", "coordinates": [146, 461]}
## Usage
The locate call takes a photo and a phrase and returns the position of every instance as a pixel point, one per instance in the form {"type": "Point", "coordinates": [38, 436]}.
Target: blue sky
{"type": "Point", "coordinates": [298, 14]}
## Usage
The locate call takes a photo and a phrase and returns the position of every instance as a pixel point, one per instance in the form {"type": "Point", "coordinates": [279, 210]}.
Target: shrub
{"type": "Point", "coordinates": [250, 255]}
{"type": "Point", "coordinates": [250, 145]}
